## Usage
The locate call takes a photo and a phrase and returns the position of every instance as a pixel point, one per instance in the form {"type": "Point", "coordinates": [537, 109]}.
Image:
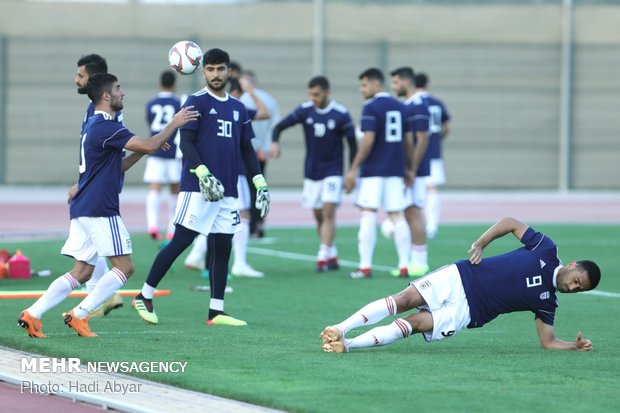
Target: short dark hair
{"type": "Point", "coordinates": [216, 56]}
{"type": "Point", "coordinates": [167, 79]}
{"type": "Point", "coordinates": [235, 66]}
{"type": "Point", "coordinates": [593, 270]}
{"type": "Point", "coordinates": [93, 63]}
{"type": "Point", "coordinates": [372, 74]}
{"type": "Point", "coordinates": [421, 80]}
{"type": "Point", "coordinates": [98, 84]}
{"type": "Point", "coordinates": [234, 85]}
{"type": "Point", "coordinates": [320, 81]}
{"type": "Point", "coordinates": [405, 72]}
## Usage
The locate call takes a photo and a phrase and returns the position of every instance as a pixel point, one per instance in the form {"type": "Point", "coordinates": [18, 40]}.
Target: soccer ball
{"type": "Point", "coordinates": [387, 228]}
{"type": "Point", "coordinates": [185, 57]}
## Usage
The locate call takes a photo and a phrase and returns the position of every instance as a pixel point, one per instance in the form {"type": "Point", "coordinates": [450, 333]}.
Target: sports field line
{"type": "Point", "coordinates": [311, 258]}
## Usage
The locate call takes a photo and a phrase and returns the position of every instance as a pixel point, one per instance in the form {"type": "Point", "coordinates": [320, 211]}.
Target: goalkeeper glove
{"type": "Point", "coordinates": [262, 195]}
{"type": "Point", "coordinates": [211, 188]}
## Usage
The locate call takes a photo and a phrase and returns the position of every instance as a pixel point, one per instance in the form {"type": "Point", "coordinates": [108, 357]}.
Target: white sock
{"type": "Point", "coordinates": [216, 304]}
{"type": "Point", "coordinates": [432, 211]}
{"type": "Point", "coordinates": [58, 290]}
{"type": "Point", "coordinates": [369, 314]}
{"type": "Point", "coordinates": [106, 287]}
{"type": "Point", "coordinates": [402, 241]}
{"type": "Point", "coordinates": [419, 255]}
{"type": "Point", "coordinates": [367, 238]}
{"type": "Point", "coordinates": [172, 206]}
{"type": "Point", "coordinates": [323, 254]}
{"type": "Point", "coordinates": [380, 336]}
{"type": "Point", "coordinates": [198, 253]}
{"type": "Point", "coordinates": [100, 268]}
{"type": "Point", "coordinates": [240, 243]}
{"type": "Point", "coordinates": [152, 209]}
{"type": "Point", "coordinates": [333, 251]}
{"type": "Point", "coordinates": [147, 291]}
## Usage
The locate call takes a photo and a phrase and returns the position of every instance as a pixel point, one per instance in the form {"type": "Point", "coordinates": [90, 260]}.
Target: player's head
{"type": "Point", "coordinates": [234, 87]}
{"type": "Point", "coordinates": [421, 80]}
{"type": "Point", "coordinates": [249, 76]}
{"type": "Point", "coordinates": [578, 276]}
{"type": "Point", "coordinates": [87, 66]}
{"type": "Point", "coordinates": [318, 90]}
{"type": "Point", "coordinates": [371, 82]}
{"type": "Point", "coordinates": [216, 70]}
{"type": "Point", "coordinates": [235, 69]}
{"type": "Point", "coordinates": [167, 80]}
{"type": "Point", "coordinates": [403, 80]}
{"type": "Point", "coordinates": [104, 88]}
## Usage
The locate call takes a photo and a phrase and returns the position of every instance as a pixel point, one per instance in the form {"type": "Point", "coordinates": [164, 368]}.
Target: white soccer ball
{"type": "Point", "coordinates": [387, 228]}
{"type": "Point", "coordinates": [185, 57]}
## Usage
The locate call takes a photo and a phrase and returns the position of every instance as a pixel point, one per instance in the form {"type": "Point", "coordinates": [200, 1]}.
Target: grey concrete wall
{"type": "Point", "coordinates": [497, 68]}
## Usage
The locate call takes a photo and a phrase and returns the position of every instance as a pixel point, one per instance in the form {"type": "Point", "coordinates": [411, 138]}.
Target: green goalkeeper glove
{"type": "Point", "coordinates": [262, 195]}
{"type": "Point", "coordinates": [211, 188]}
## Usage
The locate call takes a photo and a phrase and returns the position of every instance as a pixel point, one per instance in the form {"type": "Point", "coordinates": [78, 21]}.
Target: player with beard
{"type": "Point", "coordinates": [212, 148]}
{"type": "Point", "coordinates": [96, 228]}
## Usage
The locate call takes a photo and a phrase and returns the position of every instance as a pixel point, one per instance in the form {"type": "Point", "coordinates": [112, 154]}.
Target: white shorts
{"type": "Point", "coordinates": [243, 189]}
{"type": "Point", "coordinates": [94, 237]}
{"type": "Point", "coordinates": [316, 193]}
{"type": "Point", "coordinates": [193, 212]}
{"type": "Point", "coordinates": [416, 194]}
{"type": "Point", "coordinates": [445, 299]}
{"type": "Point", "coordinates": [438, 173]}
{"type": "Point", "coordinates": [380, 191]}
{"type": "Point", "coordinates": [162, 170]}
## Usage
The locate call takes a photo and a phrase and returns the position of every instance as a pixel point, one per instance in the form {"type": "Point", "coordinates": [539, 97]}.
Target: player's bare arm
{"type": "Point", "coordinates": [138, 144]}
{"type": "Point", "coordinates": [549, 341]}
{"type": "Point", "coordinates": [501, 228]}
{"type": "Point", "coordinates": [363, 151]}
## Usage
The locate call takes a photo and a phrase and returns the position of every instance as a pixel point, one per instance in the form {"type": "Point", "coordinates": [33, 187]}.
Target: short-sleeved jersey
{"type": "Point", "coordinates": [389, 119]}
{"type": "Point", "coordinates": [438, 116]}
{"type": "Point", "coordinates": [520, 280]}
{"type": "Point", "coordinates": [324, 130]}
{"type": "Point", "coordinates": [222, 125]}
{"type": "Point", "coordinates": [101, 155]}
{"type": "Point", "coordinates": [159, 113]}
{"type": "Point", "coordinates": [418, 104]}
{"type": "Point", "coordinates": [89, 112]}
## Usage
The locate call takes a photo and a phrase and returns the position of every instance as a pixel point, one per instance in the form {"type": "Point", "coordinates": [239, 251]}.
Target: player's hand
{"type": "Point", "coordinates": [349, 181]}
{"type": "Point", "coordinates": [71, 192]}
{"type": "Point", "coordinates": [166, 146]}
{"type": "Point", "coordinates": [184, 116]}
{"type": "Point", "coordinates": [211, 188]}
{"type": "Point", "coordinates": [409, 178]}
{"type": "Point", "coordinates": [476, 253]}
{"type": "Point", "coordinates": [263, 200]}
{"type": "Point", "coordinates": [582, 343]}
{"type": "Point", "coordinates": [260, 155]}
{"type": "Point", "coordinates": [274, 151]}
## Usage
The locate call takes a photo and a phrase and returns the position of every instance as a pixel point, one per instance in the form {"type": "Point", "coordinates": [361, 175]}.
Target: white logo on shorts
{"type": "Point", "coordinates": [544, 295]}
{"type": "Point", "coordinates": [192, 219]}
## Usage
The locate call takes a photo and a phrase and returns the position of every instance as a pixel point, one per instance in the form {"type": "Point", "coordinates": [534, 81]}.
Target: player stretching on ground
{"type": "Point", "coordinates": [211, 150]}
{"type": "Point", "coordinates": [325, 124]}
{"type": "Point", "coordinates": [470, 293]}
{"type": "Point", "coordinates": [96, 226]}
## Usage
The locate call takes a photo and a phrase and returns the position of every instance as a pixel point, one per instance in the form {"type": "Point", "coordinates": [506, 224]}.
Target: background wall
{"type": "Point", "coordinates": [497, 67]}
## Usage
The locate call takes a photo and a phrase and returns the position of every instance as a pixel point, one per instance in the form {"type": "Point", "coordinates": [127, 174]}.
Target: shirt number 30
{"type": "Point", "coordinates": [224, 128]}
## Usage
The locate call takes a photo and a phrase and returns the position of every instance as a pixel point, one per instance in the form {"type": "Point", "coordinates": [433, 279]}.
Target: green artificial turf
{"type": "Point", "coordinates": [277, 360]}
